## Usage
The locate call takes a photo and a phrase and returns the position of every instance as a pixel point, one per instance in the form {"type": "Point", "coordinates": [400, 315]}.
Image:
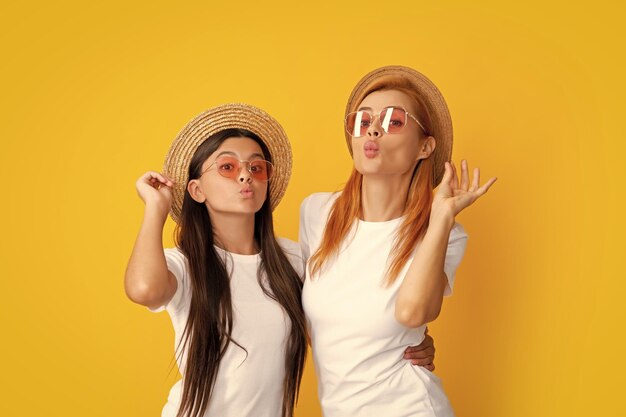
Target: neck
{"type": "Point", "coordinates": [234, 232]}
{"type": "Point", "coordinates": [383, 197]}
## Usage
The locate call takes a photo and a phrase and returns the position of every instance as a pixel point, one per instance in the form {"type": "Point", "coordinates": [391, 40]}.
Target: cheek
{"type": "Point", "coordinates": [402, 149]}
{"type": "Point", "coordinates": [215, 196]}
{"type": "Point", "coordinates": [262, 191]}
{"type": "Point", "coordinates": [357, 151]}
{"type": "Point", "coordinates": [218, 192]}
{"type": "Point", "coordinates": [398, 156]}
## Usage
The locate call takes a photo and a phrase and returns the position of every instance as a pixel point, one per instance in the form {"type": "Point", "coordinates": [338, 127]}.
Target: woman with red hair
{"type": "Point", "coordinates": [384, 250]}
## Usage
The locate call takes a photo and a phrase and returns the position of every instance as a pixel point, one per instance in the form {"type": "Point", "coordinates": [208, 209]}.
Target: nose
{"type": "Point", "coordinates": [375, 129]}
{"type": "Point", "coordinates": [244, 174]}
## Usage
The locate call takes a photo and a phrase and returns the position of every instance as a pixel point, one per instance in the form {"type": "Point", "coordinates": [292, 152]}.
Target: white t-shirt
{"type": "Point", "coordinates": [358, 345]}
{"type": "Point", "coordinates": [247, 384]}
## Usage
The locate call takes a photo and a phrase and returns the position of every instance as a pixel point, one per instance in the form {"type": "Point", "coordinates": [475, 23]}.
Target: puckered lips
{"type": "Point", "coordinates": [371, 149]}
{"type": "Point", "coordinates": [246, 192]}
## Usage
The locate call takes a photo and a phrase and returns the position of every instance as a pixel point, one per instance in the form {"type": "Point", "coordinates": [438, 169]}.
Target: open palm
{"type": "Point", "coordinates": [454, 193]}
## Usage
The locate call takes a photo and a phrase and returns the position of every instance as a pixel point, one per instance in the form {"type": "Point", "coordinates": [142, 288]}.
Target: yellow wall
{"type": "Point", "coordinates": [92, 95]}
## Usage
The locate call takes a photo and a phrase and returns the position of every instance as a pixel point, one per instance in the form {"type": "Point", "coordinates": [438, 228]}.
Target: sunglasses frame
{"type": "Point", "coordinates": [373, 116]}
{"type": "Point", "coordinates": [248, 165]}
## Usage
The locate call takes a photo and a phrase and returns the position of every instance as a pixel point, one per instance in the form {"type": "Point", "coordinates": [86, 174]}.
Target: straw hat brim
{"type": "Point", "coordinates": [214, 120]}
{"type": "Point", "coordinates": [432, 100]}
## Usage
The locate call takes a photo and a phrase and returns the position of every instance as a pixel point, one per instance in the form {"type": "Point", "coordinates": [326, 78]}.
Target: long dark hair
{"type": "Point", "coordinates": [209, 326]}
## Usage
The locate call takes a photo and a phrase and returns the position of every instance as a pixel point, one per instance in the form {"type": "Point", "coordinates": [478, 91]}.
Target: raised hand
{"type": "Point", "coordinates": [453, 195]}
{"type": "Point", "coordinates": [155, 190]}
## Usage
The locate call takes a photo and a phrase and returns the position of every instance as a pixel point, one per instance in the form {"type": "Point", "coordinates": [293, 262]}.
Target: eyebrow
{"type": "Point", "coordinates": [254, 155]}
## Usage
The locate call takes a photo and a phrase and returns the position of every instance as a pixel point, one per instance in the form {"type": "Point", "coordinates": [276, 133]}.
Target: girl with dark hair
{"type": "Point", "coordinates": [231, 288]}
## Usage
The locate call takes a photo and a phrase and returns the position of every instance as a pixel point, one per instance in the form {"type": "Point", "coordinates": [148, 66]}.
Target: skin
{"type": "Point", "coordinates": [386, 180]}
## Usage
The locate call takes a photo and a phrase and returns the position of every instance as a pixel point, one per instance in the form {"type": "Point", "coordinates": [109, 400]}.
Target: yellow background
{"type": "Point", "coordinates": [92, 95]}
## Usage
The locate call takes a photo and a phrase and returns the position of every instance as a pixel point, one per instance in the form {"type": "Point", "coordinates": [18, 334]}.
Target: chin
{"type": "Point", "coordinates": [251, 206]}
{"type": "Point", "coordinates": [372, 166]}
{"type": "Point", "coordinates": [242, 207]}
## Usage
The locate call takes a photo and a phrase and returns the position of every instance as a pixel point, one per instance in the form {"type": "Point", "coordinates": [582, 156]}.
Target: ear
{"type": "Point", "coordinates": [195, 191]}
{"type": "Point", "coordinates": [427, 148]}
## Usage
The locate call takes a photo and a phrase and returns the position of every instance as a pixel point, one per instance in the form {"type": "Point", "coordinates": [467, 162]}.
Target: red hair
{"type": "Point", "coordinates": [347, 207]}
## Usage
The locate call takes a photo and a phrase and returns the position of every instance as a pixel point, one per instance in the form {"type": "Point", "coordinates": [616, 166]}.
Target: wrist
{"type": "Point", "coordinates": [154, 213]}
{"type": "Point", "coordinates": [443, 217]}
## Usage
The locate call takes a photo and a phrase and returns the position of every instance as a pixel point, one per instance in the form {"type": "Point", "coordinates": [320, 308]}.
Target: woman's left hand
{"type": "Point", "coordinates": [454, 195]}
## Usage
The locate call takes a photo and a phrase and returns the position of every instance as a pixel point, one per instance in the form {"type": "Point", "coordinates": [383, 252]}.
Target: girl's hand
{"type": "Point", "coordinates": [453, 196]}
{"type": "Point", "coordinates": [155, 190]}
{"type": "Point", "coordinates": [422, 354]}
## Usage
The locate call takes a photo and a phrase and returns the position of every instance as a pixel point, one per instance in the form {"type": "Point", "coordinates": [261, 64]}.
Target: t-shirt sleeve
{"type": "Point", "coordinates": [177, 265]}
{"type": "Point", "coordinates": [456, 248]}
{"type": "Point", "coordinates": [294, 254]}
{"type": "Point", "coordinates": [303, 237]}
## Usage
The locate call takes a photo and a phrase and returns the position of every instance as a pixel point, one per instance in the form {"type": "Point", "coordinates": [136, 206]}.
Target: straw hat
{"type": "Point", "coordinates": [214, 120]}
{"type": "Point", "coordinates": [432, 100]}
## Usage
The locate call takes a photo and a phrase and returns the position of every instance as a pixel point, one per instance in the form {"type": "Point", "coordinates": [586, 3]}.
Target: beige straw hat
{"type": "Point", "coordinates": [214, 120]}
{"type": "Point", "coordinates": [432, 100]}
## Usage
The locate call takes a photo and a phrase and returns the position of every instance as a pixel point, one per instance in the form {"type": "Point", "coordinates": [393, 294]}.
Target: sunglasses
{"type": "Point", "coordinates": [230, 167]}
{"type": "Point", "coordinates": [391, 119]}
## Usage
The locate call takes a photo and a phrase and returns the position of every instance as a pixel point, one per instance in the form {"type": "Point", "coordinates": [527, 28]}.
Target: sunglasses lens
{"type": "Point", "coordinates": [261, 170]}
{"type": "Point", "coordinates": [392, 119]}
{"type": "Point", "coordinates": [227, 167]}
{"type": "Point", "coordinates": [358, 122]}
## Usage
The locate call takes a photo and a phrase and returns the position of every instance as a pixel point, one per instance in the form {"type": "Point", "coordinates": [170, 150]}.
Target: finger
{"type": "Point", "coordinates": [153, 175]}
{"type": "Point", "coordinates": [428, 341]}
{"type": "Point", "coordinates": [454, 182]}
{"type": "Point", "coordinates": [475, 180]}
{"type": "Point", "coordinates": [430, 367]}
{"type": "Point", "coordinates": [412, 349]}
{"type": "Point", "coordinates": [428, 352]}
{"type": "Point", "coordinates": [447, 174]}
{"type": "Point", "coordinates": [422, 362]}
{"type": "Point", "coordinates": [426, 331]}
{"type": "Point", "coordinates": [148, 178]}
{"type": "Point", "coordinates": [482, 190]}
{"type": "Point", "coordinates": [162, 178]}
{"type": "Point", "coordinates": [464, 175]}
{"type": "Point", "coordinates": [156, 183]}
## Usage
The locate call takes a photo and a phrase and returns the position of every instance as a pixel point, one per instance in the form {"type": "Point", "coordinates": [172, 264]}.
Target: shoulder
{"type": "Point", "coordinates": [176, 262]}
{"type": "Point", "coordinates": [174, 253]}
{"type": "Point", "coordinates": [289, 246]}
{"type": "Point", "coordinates": [293, 251]}
{"type": "Point", "coordinates": [317, 202]}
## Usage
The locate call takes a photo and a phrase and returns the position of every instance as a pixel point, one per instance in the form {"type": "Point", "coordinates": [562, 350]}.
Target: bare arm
{"type": "Point", "coordinates": [147, 280]}
{"type": "Point", "coordinates": [421, 294]}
